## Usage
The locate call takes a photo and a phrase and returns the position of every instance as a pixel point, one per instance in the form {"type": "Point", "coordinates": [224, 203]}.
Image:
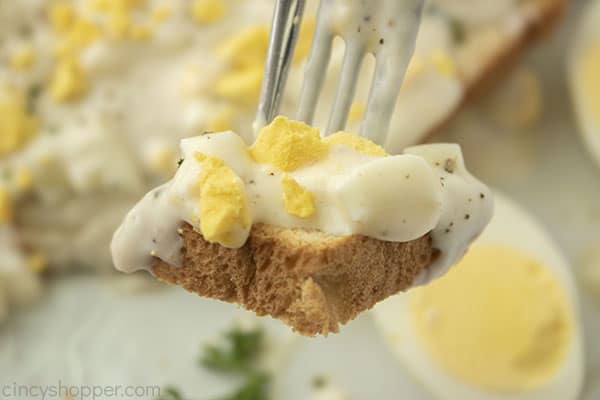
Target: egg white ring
{"type": "Point", "coordinates": [588, 31]}
{"type": "Point", "coordinates": [511, 226]}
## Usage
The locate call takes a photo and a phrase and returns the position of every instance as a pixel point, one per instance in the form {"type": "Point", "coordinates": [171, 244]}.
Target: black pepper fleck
{"type": "Point", "coordinates": [367, 18]}
{"type": "Point", "coordinates": [272, 173]}
{"type": "Point", "coordinates": [447, 230]}
{"type": "Point", "coordinates": [467, 216]}
{"type": "Point", "coordinates": [407, 176]}
{"type": "Point", "coordinates": [450, 165]}
{"type": "Point", "coordinates": [381, 41]}
{"type": "Point", "coordinates": [481, 195]}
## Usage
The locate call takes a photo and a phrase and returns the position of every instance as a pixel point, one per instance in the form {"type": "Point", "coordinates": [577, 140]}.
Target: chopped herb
{"type": "Point", "coordinates": [33, 94]}
{"type": "Point", "coordinates": [237, 354]}
{"type": "Point", "coordinates": [180, 162]}
{"type": "Point", "coordinates": [458, 31]}
{"type": "Point", "coordinates": [319, 382]}
{"type": "Point", "coordinates": [256, 387]}
{"type": "Point", "coordinates": [169, 393]}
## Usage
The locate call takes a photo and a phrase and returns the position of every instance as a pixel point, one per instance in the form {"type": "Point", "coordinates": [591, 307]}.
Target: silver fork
{"type": "Point", "coordinates": [385, 28]}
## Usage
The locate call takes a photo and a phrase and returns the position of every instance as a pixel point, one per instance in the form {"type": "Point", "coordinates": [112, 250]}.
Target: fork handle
{"type": "Point", "coordinates": [282, 40]}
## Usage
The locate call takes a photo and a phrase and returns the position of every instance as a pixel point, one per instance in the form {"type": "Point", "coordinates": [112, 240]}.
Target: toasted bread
{"type": "Point", "coordinates": [496, 57]}
{"type": "Point", "coordinates": [310, 280]}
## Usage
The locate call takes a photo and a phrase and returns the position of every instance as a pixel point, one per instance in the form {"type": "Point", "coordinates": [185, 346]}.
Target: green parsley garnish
{"type": "Point", "coordinates": [180, 162]}
{"type": "Point", "coordinates": [169, 393]}
{"type": "Point", "coordinates": [237, 354]}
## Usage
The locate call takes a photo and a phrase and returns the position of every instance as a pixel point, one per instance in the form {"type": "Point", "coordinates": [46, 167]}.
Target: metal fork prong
{"type": "Point", "coordinates": [389, 73]}
{"type": "Point", "coordinates": [316, 65]}
{"type": "Point", "coordinates": [284, 33]}
{"type": "Point", "coordinates": [345, 93]}
{"type": "Point", "coordinates": [381, 103]}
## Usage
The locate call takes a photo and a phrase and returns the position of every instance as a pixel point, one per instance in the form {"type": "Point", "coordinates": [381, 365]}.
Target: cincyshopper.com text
{"type": "Point", "coordinates": [62, 391]}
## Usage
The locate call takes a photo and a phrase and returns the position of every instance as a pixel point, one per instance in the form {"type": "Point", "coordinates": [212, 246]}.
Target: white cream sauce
{"type": "Point", "coordinates": [394, 198]}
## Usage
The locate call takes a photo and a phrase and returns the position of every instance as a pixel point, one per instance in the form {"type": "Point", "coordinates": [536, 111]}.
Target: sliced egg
{"type": "Point", "coordinates": [584, 77]}
{"type": "Point", "coordinates": [503, 324]}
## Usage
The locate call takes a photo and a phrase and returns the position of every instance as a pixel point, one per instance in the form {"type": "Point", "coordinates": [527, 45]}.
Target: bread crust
{"type": "Point", "coordinates": [310, 280]}
{"type": "Point", "coordinates": [547, 16]}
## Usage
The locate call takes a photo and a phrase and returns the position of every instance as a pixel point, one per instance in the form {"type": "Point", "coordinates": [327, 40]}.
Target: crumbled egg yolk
{"type": "Point", "coordinates": [223, 203]}
{"type": "Point", "coordinates": [288, 145]}
{"type": "Point", "coordinates": [207, 11]}
{"type": "Point", "coordinates": [222, 121]}
{"type": "Point", "coordinates": [163, 160]}
{"type": "Point", "coordinates": [62, 16]}
{"type": "Point", "coordinates": [247, 48]}
{"type": "Point", "coordinates": [499, 319]}
{"type": "Point", "coordinates": [589, 71]}
{"type": "Point", "coordinates": [37, 262]}
{"type": "Point", "coordinates": [240, 86]}
{"type": "Point", "coordinates": [17, 124]}
{"type": "Point", "coordinates": [443, 63]}
{"type": "Point", "coordinates": [69, 81]}
{"type": "Point", "coordinates": [298, 201]}
{"type": "Point", "coordinates": [440, 60]}
{"type": "Point", "coordinates": [358, 143]}
{"type": "Point", "coordinates": [23, 58]}
{"type": "Point", "coordinates": [6, 206]}
{"type": "Point", "coordinates": [23, 179]}
{"type": "Point", "coordinates": [161, 12]}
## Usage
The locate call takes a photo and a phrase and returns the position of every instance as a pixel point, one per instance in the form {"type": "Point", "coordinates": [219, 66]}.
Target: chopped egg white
{"type": "Point", "coordinates": [584, 77]}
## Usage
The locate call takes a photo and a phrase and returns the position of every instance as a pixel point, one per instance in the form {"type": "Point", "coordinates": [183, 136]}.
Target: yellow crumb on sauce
{"type": "Point", "coordinates": [23, 58]}
{"type": "Point", "coordinates": [499, 319]}
{"type": "Point", "coordinates": [358, 143]}
{"type": "Point", "coordinates": [208, 11]}
{"type": "Point", "coordinates": [161, 13]}
{"type": "Point", "coordinates": [240, 86]}
{"type": "Point", "coordinates": [140, 32]}
{"type": "Point", "coordinates": [297, 200]}
{"type": "Point", "coordinates": [163, 160]}
{"type": "Point", "coordinates": [222, 121]}
{"type": "Point", "coordinates": [247, 48]}
{"type": "Point", "coordinates": [6, 206]}
{"type": "Point", "coordinates": [23, 179]}
{"type": "Point", "coordinates": [357, 110]}
{"type": "Point", "coordinates": [443, 63]}
{"type": "Point", "coordinates": [288, 144]}
{"type": "Point", "coordinates": [17, 124]}
{"type": "Point", "coordinates": [223, 203]}
{"type": "Point", "coordinates": [69, 81]}
{"type": "Point", "coordinates": [37, 262]}
{"type": "Point", "coordinates": [243, 56]}
{"type": "Point", "coordinates": [62, 15]}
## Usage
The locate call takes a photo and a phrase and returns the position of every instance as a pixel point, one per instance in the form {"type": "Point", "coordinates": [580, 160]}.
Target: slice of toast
{"type": "Point", "coordinates": [484, 60]}
{"type": "Point", "coordinates": [310, 280]}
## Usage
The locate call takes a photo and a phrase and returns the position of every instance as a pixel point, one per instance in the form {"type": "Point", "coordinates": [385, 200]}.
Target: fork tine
{"type": "Point", "coordinates": [390, 68]}
{"type": "Point", "coordinates": [316, 65]}
{"type": "Point", "coordinates": [345, 93]}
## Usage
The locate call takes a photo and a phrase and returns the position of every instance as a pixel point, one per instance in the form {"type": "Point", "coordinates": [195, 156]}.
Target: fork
{"type": "Point", "coordinates": [385, 28]}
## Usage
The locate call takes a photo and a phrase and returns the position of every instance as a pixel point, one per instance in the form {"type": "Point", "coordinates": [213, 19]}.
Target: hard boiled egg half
{"type": "Point", "coordinates": [584, 76]}
{"type": "Point", "coordinates": [502, 324]}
